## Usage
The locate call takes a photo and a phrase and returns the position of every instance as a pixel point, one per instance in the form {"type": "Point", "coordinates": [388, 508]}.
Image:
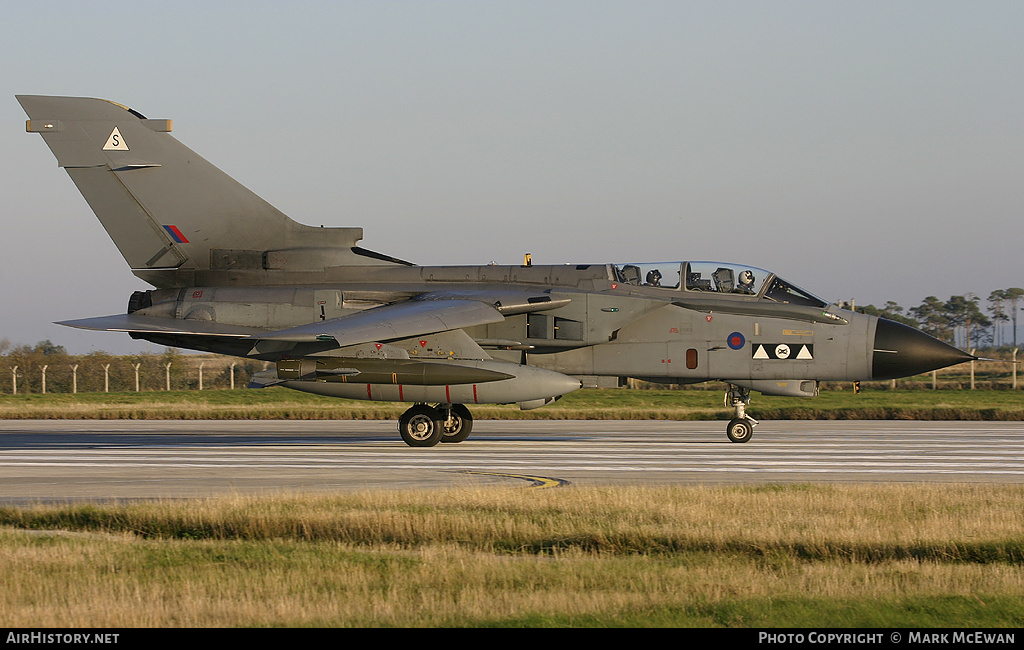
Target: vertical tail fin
{"type": "Point", "coordinates": [166, 207]}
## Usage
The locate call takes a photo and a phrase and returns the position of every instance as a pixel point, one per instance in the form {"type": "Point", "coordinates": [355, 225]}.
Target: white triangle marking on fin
{"type": "Point", "coordinates": [115, 142]}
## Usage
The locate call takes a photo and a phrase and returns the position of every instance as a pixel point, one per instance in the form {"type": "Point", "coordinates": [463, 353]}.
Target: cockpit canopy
{"type": "Point", "coordinates": [715, 277]}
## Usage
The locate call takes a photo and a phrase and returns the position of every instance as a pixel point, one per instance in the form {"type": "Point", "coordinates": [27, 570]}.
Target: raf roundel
{"type": "Point", "coordinates": [736, 341]}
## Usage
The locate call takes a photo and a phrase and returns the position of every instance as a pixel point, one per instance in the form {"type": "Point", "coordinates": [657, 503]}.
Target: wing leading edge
{"type": "Point", "coordinates": [386, 323]}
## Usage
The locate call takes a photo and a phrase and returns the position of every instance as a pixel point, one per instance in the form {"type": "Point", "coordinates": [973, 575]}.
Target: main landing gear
{"type": "Point", "coordinates": [741, 427]}
{"type": "Point", "coordinates": [425, 426]}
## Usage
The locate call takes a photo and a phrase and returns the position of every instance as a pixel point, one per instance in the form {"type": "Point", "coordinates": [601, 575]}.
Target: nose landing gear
{"type": "Point", "coordinates": [741, 427]}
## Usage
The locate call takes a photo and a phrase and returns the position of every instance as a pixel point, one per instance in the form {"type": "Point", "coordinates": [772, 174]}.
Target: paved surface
{"type": "Point", "coordinates": [73, 460]}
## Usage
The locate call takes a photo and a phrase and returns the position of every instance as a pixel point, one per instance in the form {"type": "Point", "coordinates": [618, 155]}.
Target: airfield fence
{"type": "Point", "coordinates": [97, 373]}
{"type": "Point", "coordinates": [100, 372]}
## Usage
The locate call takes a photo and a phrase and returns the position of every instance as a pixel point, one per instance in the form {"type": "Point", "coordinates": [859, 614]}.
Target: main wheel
{"type": "Point", "coordinates": [739, 430]}
{"type": "Point", "coordinates": [457, 425]}
{"type": "Point", "coordinates": [420, 426]}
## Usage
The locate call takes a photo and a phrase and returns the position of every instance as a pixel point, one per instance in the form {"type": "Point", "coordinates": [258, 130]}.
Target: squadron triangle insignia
{"type": "Point", "coordinates": [784, 351]}
{"type": "Point", "coordinates": [115, 142]}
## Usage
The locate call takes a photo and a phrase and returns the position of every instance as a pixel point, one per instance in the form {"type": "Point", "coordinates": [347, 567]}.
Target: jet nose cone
{"type": "Point", "coordinates": [902, 351]}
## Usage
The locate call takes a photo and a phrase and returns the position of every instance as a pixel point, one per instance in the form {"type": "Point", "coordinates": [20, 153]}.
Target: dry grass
{"type": "Point", "coordinates": [609, 404]}
{"type": "Point", "coordinates": [751, 556]}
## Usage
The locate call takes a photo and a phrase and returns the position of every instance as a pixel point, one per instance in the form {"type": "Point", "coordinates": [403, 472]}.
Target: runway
{"type": "Point", "coordinates": [74, 460]}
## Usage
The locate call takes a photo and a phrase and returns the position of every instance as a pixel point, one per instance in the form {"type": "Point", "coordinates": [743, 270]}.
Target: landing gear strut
{"type": "Point", "coordinates": [456, 422]}
{"type": "Point", "coordinates": [425, 426]}
{"type": "Point", "coordinates": [741, 427]}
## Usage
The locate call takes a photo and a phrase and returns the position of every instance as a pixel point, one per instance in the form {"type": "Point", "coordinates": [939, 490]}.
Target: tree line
{"type": "Point", "coordinates": [47, 367]}
{"type": "Point", "coordinates": [961, 320]}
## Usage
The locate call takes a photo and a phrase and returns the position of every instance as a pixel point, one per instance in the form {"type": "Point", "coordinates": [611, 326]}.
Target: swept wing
{"type": "Point", "coordinates": [385, 323]}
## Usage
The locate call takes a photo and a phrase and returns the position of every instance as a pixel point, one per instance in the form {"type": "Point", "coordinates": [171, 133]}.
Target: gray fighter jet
{"type": "Point", "coordinates": [233, 275]}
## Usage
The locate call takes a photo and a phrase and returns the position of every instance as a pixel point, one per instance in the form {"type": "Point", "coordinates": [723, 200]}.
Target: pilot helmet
{"type": "Point", "coordinates": [746, 278]}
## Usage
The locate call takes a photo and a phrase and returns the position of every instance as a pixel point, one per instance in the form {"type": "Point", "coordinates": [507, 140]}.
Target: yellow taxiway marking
{"type": "Point", "coordinates": [539, 482]}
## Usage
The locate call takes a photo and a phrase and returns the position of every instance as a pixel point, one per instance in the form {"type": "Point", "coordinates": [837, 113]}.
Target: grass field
{"type": "Point", "coordinates": [770, 556]}
{"type": "Point", "coordinates": [609, 404]}
{"type": "Point", "coordinates": [873, 556]}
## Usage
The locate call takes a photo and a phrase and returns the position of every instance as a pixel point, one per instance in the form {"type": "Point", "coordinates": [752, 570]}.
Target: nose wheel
{"type": "Point", "coordinates": [741, 427]}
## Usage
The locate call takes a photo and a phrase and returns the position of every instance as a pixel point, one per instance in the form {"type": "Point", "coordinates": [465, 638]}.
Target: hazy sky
{"type": "Point", "coordinates": [864, 150]}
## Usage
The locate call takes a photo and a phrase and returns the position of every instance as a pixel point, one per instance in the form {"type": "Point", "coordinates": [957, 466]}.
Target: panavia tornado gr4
{"type": "Point", "coordinates": [233, 275]}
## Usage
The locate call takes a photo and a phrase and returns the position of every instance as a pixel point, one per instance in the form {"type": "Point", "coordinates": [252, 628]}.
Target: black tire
{"type": "Point", "coordinates": [458, 427]}
{"type": "Point", "coordinates": [740, 430]}
{"type": "Point", "coordinates": [420, 426]}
